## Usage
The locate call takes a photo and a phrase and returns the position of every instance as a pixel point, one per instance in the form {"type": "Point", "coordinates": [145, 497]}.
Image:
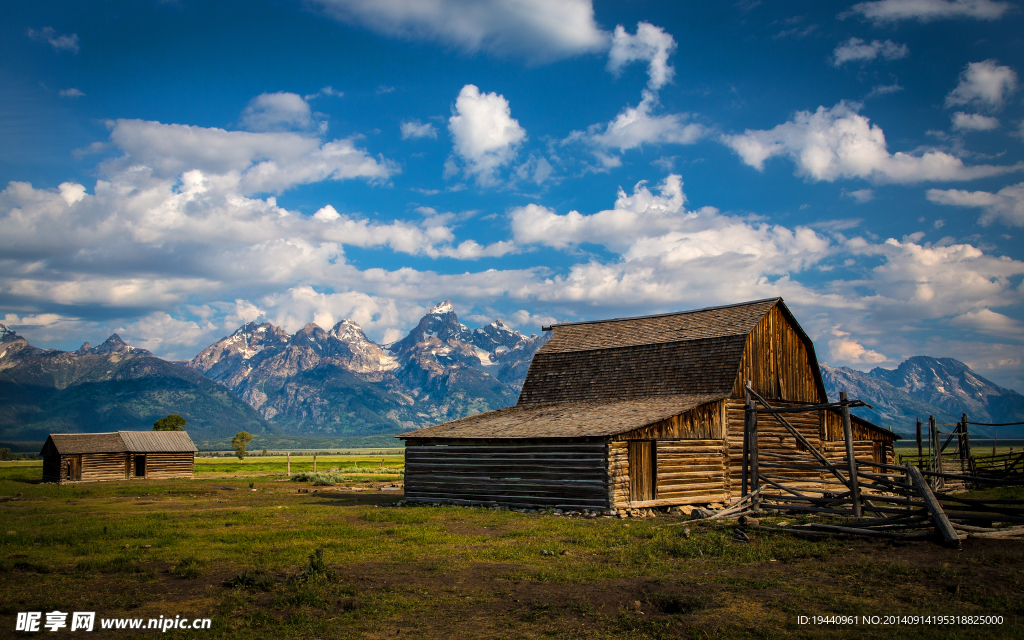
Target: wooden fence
{"type": "Point", "coordinates": [869, 498]}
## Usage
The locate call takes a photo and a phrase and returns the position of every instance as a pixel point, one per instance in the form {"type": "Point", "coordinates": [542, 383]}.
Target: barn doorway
{"type": "Point", "coordinates": [73, 469]}
{"type": "Point", "coordinates": [140, 466]}
{"type": "Point", "coordinates": [643, 470]}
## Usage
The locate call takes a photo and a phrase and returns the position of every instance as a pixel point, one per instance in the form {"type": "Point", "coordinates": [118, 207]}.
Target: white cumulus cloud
{"type": "Point", "coordinates": [928, 10]}
{"type": "Point", "coordinates": [281, 111]}
{"type": "Point", "coordinates": [59, 42]}
{"type": "Point", "coordinates": [973, 122]}
{"type": "Point", "coordinates": [1007, 205]}
{"type": "Point", "coordinates": [651, 44]}
{"type": "Point", "coordinates": [253, 162]}
{"type": "Point", "coordinates": [416, 129]}
{"type": "Point", "coordinates": [838, 142]}
{"type": "Point", "coordinates": [485, 134]}
{"type": "Point", "coordinates": [986, 84]}
{"type": "Point", "coordinates": [539, 30]}
{"type": "Point", "coordinates": [636, 126]}
{"type": "Point", "coordinates": [855, 49]}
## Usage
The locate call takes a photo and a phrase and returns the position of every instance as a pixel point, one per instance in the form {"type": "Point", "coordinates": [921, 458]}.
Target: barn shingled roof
{"type": "Point", "coordinates": [687, 353]}
{"type": "Point", "coordinates": [119, 442]}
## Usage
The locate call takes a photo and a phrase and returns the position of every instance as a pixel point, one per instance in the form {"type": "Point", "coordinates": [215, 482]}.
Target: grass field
{"type": "Point", "coordinates": [215, 547]}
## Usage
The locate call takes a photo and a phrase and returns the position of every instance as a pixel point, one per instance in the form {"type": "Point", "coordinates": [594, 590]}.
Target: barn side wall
{"type": "Point", "coordinates": [518, 473]}
{"type": "Point", "coordinates": [161, 466]}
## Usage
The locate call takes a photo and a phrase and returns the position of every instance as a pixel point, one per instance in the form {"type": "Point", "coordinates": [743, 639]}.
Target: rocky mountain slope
{"type": "Point", "coordinates": [338, 382]}
{"type": "Point", "coordinates": [109, 387]}
{"type": "Point", "coordinates": [923, 386]}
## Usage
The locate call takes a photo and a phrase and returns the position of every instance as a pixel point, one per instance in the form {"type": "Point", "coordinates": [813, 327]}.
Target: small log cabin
{"type": "Point", "coordinates": [122, 455]}
{"type": "Point", "coordinates": [638, 412]}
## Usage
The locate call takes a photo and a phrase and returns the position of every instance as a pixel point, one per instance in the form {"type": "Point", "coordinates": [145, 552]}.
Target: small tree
{"type": "Point", "coordinates": [173, 422]}
{"type": "Point", "coordinates": [241, 439]}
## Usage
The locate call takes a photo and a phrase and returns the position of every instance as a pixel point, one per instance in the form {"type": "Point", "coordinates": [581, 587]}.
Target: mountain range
{"type": "Point", "coordinates": [336, 382]}
{"type": "Point", "coordinates": [110, 387]}
{"type": "Point", "coordinates": [922, 386]}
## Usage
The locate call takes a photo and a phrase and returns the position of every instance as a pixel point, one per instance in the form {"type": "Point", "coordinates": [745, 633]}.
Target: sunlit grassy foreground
{"type": "Point", "coordinates": [145, 549]}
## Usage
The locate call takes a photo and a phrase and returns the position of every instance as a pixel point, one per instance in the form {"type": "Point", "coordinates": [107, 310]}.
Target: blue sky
{"type": "Point", "coordinates": [173, 169]}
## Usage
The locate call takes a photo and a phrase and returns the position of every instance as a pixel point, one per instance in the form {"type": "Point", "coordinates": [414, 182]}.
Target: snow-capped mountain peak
{"type": "Point", "coordinates": [7, 334]}
{"type": "Point", "coordinates": [442, 308]}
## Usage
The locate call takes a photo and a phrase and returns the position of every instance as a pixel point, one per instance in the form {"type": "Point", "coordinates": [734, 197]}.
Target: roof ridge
{"type": "Point", "coordinates": [663, 315]}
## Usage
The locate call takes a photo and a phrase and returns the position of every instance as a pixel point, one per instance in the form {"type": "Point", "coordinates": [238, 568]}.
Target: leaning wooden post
{"type": "Point", "coordinates": [289, 456]}
{"type": "Point", "coordinates": [919, 452]}
{"type": "Point", "coordinates": [942, 523]}
{"type": "Point", "coordinates": [746, 444]}
{"type": "Point", "coordinates": [848, 434]}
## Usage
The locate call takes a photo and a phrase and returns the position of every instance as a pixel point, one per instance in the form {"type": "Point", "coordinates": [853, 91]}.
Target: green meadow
{"type": "Point", "coordinates": [264, 556]}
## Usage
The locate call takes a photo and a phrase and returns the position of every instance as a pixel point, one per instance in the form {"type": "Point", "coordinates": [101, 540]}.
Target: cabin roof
{"type": "Point", "coordinates": [119, 442]}
{"type": "Point", "coordinates": [566, 419]}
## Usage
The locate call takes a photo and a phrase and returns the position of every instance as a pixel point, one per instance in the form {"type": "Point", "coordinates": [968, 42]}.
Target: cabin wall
{"type": "Point", "coordinates": [520, 473]}
{"type": "Point", "coordinates": [98, 467]}
{"type": "Point", "coordinates": [777, 363]}
{"type": "Point", "coordinates": [51, 468]}
{"type": "Point", "coordinates": [161, 466]}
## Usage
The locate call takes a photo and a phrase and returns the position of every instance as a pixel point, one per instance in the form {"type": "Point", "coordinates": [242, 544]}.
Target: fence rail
{"type": "Point", "coordinates": [911, 499]}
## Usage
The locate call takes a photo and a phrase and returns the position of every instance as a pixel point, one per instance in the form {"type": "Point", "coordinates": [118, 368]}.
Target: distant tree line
{"type": "Point", "coordinates": [5, 454]}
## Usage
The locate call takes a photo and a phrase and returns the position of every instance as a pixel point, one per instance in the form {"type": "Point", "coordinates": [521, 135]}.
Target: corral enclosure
{"type": "Point", "coordinates": [638, 413]}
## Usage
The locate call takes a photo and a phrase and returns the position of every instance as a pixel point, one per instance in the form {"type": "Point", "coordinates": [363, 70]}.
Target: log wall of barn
{"type": "Point", "coordinates": [688, 471]}
{"type": "Point", "coordinates": [518, 473]}
{"type": "Point", "coordinates": [777, 363]}
{"type": "Point", "coordinates": [772, 438]}
{"type": "Point", "coordinates": [103, 466]}
{"type": "Point", "coordinates": [160, 466]}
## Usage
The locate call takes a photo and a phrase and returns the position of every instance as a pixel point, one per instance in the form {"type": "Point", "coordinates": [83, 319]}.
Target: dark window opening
{"type": "Point", "coordinates": [140, 466]}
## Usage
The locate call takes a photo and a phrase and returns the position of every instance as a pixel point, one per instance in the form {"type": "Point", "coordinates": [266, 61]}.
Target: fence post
{"type": "Point", "coordinates": [966, 445]}
{"type": "Point", "coordinates": [848, 434]}
{"type": "Point", "coordinates": [919, 452]}
{"type": "Point", "coordinates": [755, 478]}
{"type": "Point", "coordinates": [746, 442]}
{"type": "Point", "coordinates": [314, 463]}
{"type": "Point", "coordinates": [289, 455]}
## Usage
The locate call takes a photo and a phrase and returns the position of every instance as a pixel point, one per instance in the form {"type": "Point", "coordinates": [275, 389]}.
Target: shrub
{"type": "Point", "coordinates": [256, 580]}
{"type": "Point", "coordinates": [316, 570]}
{"type": "Point", "coordinates": [187, 567]}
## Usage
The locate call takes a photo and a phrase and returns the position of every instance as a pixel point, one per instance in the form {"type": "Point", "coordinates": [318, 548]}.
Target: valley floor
{"type": "Point", "coordinates": [216, 548]}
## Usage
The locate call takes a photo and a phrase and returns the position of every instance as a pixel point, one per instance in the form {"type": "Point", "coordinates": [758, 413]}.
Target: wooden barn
{"type": "Point", "coordinates": [122, 455]}
{"type": "Point", "coordinates": [637, 412]}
